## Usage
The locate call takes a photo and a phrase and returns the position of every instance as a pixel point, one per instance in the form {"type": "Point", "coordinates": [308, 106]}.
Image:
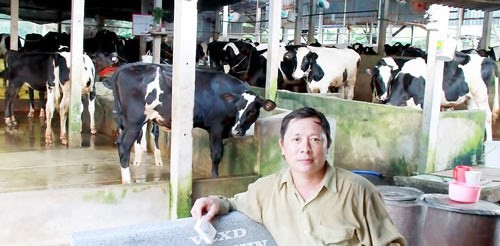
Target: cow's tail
{"type": "Point", "coordinates": [496, 103]}
{"type": "Point", "coordinates": [108, 82]}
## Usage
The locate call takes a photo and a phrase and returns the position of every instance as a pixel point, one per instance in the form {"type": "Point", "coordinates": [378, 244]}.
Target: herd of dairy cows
{"type": "Point", "coordinates": [225, 105]}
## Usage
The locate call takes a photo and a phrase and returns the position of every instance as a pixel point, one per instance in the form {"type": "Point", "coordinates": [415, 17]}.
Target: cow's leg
{"type": "Point", "coordinates": [342, 91]}
{"type": "Point", "coordinates": [41, 101]}
{"type": "Point", "coordinates": [50, 107]}
{"type": "Point", "coordinates": [349, 92]}
{"type": "Point", "coordinates": [91, 109]}
{"type": "Point", "coordinates": [63, 112]}
{"type": "Point", "coordinates": [155, 133]}
{"type": "Point", "coordinates": [124, 143]}
{"type": "Point", "coordinates": [10, 96]}
{"type": "Point", "coordinates": [139, 145]}
{"type": "Point", "coordinates": [216, 150]}
{"type": "Point", "coordinates": [31, 96]}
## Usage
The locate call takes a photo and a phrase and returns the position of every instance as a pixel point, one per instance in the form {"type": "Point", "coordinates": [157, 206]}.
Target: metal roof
{"type": "Point", "coordinates": [54, 11]}
{"type": "Point", "coordinates": [485, 5]}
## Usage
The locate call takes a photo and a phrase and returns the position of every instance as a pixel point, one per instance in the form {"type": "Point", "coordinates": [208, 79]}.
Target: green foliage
{"type": "Point", "coordinates": [157, 14]}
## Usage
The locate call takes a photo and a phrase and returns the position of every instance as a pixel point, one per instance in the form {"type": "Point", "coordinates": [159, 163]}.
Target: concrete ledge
{"type": "Point", "coordinates": [234, 228]}
{"type": "Point", "coordinates": [48, 217]}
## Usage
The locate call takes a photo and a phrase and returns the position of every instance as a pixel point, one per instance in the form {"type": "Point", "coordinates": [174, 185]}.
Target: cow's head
{"type": "Point", "coordinates": [248, 110]}
{"type": "Point", "coordinates": [289, 64]}
{"type": "Point", "coordinates": [383, 72]}
{"type": "Point", "coordinates": [310, 67]}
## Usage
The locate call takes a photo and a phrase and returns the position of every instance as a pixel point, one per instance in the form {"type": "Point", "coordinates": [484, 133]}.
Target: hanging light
{"type": "Point", "coordinates": [233, 17]}
{"type": "Point", "coordinates": [323, 4]}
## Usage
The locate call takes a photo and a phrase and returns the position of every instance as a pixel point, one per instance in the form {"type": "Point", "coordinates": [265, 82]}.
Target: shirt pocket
{"type": "Point", "coordinates": [336, 237]}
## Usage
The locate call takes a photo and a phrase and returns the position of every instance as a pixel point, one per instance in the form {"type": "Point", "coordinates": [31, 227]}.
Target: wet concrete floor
{"type": "Point", "coordinates": [27, 163]}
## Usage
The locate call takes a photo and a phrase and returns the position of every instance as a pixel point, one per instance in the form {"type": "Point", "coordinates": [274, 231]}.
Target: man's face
{"type": "Point", "coordinates": [304, 146]}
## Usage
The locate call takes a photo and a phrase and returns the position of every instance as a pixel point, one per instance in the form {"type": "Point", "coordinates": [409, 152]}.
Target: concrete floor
{"type": "Point", "coordinates": [51, 191]}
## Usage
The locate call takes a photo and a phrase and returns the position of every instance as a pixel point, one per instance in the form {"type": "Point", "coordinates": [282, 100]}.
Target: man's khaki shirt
{"type": "Point", "coordinates": [348, 210]}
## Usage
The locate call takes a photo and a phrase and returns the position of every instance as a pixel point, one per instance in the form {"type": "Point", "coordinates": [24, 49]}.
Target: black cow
{"type": "Point", "coordinates": [47, 71]}
{"type": "Point", "coordinates": [50, 42]}
{"type": "Point", "coordinates": [35, 69]}
{"type": "Point", "coordinates": [143, 92]}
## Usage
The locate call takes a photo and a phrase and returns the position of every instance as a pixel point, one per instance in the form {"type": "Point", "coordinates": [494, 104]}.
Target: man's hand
{"type": "Point", "coordinates": [208, 205]}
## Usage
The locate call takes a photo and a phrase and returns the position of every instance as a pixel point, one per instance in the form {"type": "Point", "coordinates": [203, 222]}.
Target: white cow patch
{"type": "Point", "coordinates": [416, 68]}
{"type": "Point", "coordinates": [301, 53]}
{"type": "Point", "coordinates": [250, 99]}
{"type": "Point", "coordinates": [390, 62]}
{"type": "Point", "coordinates": [149, 109]}
{"type": "Point", "coordinates": [233, 46]}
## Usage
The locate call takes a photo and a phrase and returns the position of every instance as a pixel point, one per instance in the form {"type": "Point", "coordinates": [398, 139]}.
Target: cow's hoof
{"type": "Point", "coordinates": [159, 164]}
{"type": "Point", "coordinates": [126, 176]}
{"type": "Point", "coordinates": [64, 141]}
{"type": "Point", "coordinates": [48, 140]}
{"type": "Point", "coordinates": [93, 131]}
{"type": "Point", "coordinates": [137, 163]}
{"type": "Point", "coordinates": [42, 113]}
{"type": "Point", "coordinates": [31, 114]}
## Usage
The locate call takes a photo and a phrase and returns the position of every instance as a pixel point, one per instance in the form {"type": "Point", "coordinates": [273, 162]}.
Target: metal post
{"type": "Point", "coordinates": [486, 35]}
{"type": "Point", "coordinates": [299, 8]}
{"type": "Point", "coordinates": [383, 9]}
{"type": "Point", "coordinates": [310, 33]}
{"type": "Point", "coordinates": [258, 16]}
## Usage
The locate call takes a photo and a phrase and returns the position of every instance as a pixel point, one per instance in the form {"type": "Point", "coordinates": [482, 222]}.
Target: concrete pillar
{"type": "Point", "coordinates": [14, 22]}
{"type": "Point", "coordinates": [75, 109]}
{"type": "Point", "coordinates": [273, 49]}
{"type": "Point", "coordinates": [184, 62]}
{"type": "Point", "coordinates": [433, 89]}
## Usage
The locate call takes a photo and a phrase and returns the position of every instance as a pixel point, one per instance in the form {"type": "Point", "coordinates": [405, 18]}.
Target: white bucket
{"type": "Point", "coordinates": [147, 58]}
{"type": "Point", "coordinates": [445, 50]}
{"type": "Point", "coordinates": [492, 154]}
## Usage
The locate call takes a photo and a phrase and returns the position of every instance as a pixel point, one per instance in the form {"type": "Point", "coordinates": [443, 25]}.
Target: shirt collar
{"type": "Point", "coordinates": [329, 181]}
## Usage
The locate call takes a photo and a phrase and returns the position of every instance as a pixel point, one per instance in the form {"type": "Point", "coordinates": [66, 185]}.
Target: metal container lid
{"type": "Point", "coordinates": [441, 201]}
{"type": "Point", "coordinates": [396, 193]}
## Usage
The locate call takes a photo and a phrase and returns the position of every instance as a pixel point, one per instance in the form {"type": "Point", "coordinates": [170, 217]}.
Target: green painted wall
{"type": "Point", "coordinates": [386, 138]}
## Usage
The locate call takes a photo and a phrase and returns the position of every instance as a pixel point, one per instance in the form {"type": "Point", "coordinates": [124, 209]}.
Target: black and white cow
{"type": "Point", "coordinates": [224, 106]}
{"type": "Point", "coordinates": [465, 80]}
{"type": "Point", "coordinates": [58, 95]}
{"type": "Point", "coordinates": [384, 71]}
{"type": "Point", "coordinates": [47, 71]}
{"type": "Point", "coordinates": [323, 68]}
{"type": "Point", "coordinates": [35, 69]}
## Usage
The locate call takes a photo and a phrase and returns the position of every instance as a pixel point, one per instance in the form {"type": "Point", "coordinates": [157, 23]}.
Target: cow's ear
{"type": "Point", "coordinates": [369, 71]}
{"type": "Point", "coordinates": [228, 97]}
{"type": "Point", "coordinates": [313, 56]}
{"type": "Point", "coordinates": [317, 72]}
{"type": "Point", "coordinates": [268, 105]}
